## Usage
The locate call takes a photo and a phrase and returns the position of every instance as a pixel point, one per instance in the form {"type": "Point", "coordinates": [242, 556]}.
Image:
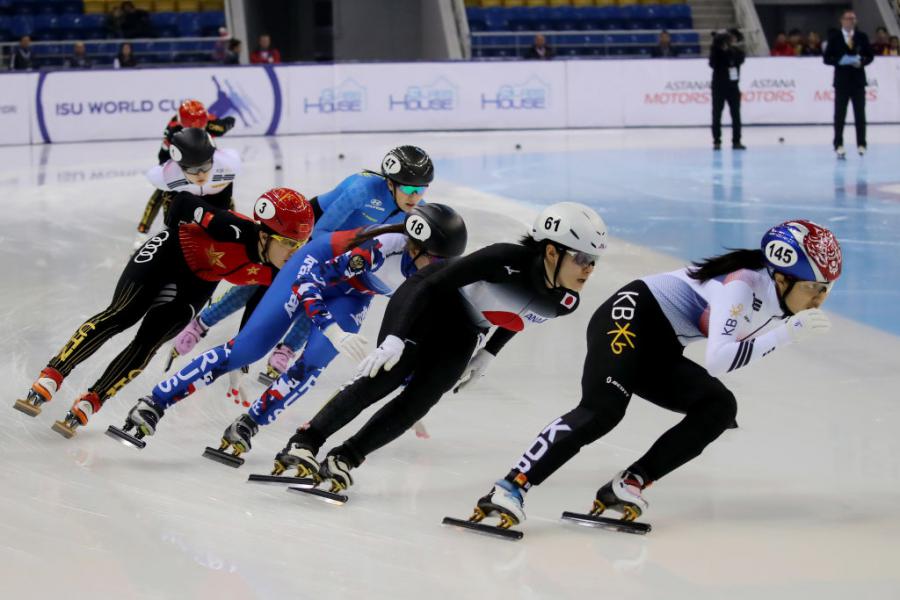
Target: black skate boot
{"type": "Point", "coordinates": [42, 390]}
{"type": "Point", "coordinates": [623, 495]}
{"type": "Point", "coordinates": [295, 455]}
{"type": "Point", "coordinates": [143, 418]}
{"type": "Point", "coordinates": [237, 436]}
{"type": "Point", "coordinates": [78, 415]}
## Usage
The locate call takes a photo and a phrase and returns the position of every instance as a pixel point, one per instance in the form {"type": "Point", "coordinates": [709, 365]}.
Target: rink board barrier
{"type": "Point", "coordinates": [69, 106]}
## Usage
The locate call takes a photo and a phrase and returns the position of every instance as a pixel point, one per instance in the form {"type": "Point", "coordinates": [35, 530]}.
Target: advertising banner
{"type": "Point", "coordinates": [16, 101]}
{"type": "Point", "coordinates": [134, 104]}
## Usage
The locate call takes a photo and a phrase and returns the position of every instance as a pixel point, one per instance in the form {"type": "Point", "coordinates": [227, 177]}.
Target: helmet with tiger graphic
{"type": "Point", "coordinates": [803, 251]}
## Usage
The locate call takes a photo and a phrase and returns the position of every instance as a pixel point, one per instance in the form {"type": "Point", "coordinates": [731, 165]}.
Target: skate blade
{"type": "Point", "coordinates": [27, 407]}
{"type": "Point", "coordinates": [127, 439]}
{"type": "Point", "coordinates": [607, 523]}
{"type": "Point", "coordinates": [264, 379]}
{"type": "Point", "coordinates": [225, 458]}
{"type": "Point", "coordinates": [329, 497]}
{"type": "Point", "coordinates": [64, 430]}
{"type": "Point", "coordinates": [281, 480]}
{"type": "Point", "coordinates": [513, 535]}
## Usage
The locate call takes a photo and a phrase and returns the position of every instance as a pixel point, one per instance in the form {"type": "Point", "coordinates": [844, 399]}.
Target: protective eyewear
{"type": "Point", "coordinates": [204, 168]}
{"type": "Point", "coordinates": [583, 259]}
{"type": "Point", "coordinates": [409, 190]}
{"type": "Point", "coordinates": [815, 288]}
{"type": "Point", "coordinates": [286, 241]}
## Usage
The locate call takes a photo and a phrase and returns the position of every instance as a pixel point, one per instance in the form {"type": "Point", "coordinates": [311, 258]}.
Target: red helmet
{"type": "Point", "coordinates": [285, 212]}
{"type": "Point", "coordinates": [192, 113]}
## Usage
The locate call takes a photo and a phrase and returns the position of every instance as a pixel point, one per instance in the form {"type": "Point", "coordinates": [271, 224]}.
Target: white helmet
{"type": "Point", "coordinates": [572, 225]}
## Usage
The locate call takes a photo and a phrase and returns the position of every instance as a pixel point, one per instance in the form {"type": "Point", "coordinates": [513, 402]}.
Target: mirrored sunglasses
{"type": "Point", "coordinates": [205, 167]}
{"type": "Point", "coordinates": [583, 259]}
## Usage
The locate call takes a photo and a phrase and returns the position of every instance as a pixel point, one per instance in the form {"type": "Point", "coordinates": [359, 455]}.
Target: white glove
{"type": "Point", "coordinates": [807, 323]}
{"type": "Point", "coordinates": [236, 390]}
{"type": "Point", "coordinates": [386, 355]}
{"type": "Point", "coordinates": [353, 345]}
{"type": "Point", "coordinates": [475, 370]}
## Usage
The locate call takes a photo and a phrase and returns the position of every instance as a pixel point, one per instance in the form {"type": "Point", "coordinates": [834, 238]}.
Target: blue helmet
{"type": "Point", "coordinates": [803, 250]}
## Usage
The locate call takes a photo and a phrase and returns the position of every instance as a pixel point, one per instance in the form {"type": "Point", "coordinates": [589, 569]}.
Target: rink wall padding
{"type": "Point", "coordinates": [74, 106]}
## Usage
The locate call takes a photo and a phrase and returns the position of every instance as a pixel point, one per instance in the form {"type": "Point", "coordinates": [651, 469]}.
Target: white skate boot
{"type": "Point", "coordinates": [506, 500]}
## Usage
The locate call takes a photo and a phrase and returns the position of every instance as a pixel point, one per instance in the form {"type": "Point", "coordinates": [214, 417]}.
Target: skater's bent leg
{"type": "Point", "coordinates": [230, 302]}
{"type": "Point", "coordinates": [160, 324]}
{"type": "Point", "coordinates": [709, 407]}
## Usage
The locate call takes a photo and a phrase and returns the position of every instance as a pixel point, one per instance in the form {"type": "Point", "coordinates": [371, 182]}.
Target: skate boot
{"type": "Point", "coordinates": [143, 418]}
{"type": "Point", "coordinates": [337, 470]}
{"type": "Point", "coordinates": [42, 390]}
{"type": "Point", "coordinates": [302, 458]}
{"type": "Point", "coordinates": [78, 415]}
{"type": "Point", "coordinates": [278, 362]}
{"type": "Point", "coordinates": [506, 501]}
{"type": "Point", "coordinates": [622, 494]}
{"type": "Point", "coordinates": [237, 437]}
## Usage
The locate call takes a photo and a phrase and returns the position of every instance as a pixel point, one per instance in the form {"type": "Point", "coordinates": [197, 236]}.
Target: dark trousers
{"type": "Point", "coordinates": [842, 96]}
{"type": "Point", "coordinates": [632, 349]}
{"type": "Point", "coordinates": [732, 95]}
{"type": "Point", "coordinates": [156, 288]}
{"type": "Point", "coordinates": [443, 340]}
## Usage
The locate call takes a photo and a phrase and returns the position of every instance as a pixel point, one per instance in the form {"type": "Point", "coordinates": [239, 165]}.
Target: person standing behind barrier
{"type": "Point", "coordinates": [848, 51]}
{"type": "Point", "coordinates": [725, 59]}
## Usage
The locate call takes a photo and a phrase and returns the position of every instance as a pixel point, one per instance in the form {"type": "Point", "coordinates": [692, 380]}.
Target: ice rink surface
{"type": "Point", "coordinates": [800, 502]}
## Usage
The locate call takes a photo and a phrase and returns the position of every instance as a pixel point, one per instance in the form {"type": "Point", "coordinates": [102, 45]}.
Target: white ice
{"type": "Point", "coordinates": [800, 502]}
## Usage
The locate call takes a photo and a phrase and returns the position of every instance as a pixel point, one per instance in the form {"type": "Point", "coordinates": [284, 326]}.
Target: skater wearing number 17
{"type": "Point", "coordinates": [635, 344]}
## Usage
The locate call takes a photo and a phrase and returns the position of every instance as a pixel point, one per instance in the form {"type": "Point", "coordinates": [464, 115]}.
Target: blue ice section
{"type": "Point", "coordinates": [693, 203]}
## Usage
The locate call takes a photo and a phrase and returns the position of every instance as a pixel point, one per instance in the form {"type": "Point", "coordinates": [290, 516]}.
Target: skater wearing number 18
{"type": "Point", "coordinates": [635, 344]}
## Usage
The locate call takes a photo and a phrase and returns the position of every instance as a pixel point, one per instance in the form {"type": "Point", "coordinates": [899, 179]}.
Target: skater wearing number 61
{"type": "Point", "coordinates": [635, 344]}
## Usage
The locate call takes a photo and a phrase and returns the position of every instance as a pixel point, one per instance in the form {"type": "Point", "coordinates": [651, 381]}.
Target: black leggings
{"type": "Point", "coordinates": [156, 285]}
{"type": "Point", "coordinates": [440, 346]}
{"type": "Point", "coordinates": [632, 349]}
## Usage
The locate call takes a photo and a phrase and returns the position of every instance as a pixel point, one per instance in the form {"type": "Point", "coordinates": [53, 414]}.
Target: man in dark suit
{"type": "Point", "coordinates": [848, 51]}
{"type": "Point", "coordinates": [725, 59]}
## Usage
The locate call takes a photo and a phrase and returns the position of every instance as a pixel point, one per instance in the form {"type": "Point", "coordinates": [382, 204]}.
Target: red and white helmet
{"type": "Point", "coordinates": [803, 250]}
{"type": "Point", "coordinates": [285, 212]}
{"type": "Point", "coordinates": [192, 113]}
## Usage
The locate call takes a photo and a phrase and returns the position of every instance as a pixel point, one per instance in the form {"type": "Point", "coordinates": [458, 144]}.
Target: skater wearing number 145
{"type": "Point", "coordinates": [635, 344]}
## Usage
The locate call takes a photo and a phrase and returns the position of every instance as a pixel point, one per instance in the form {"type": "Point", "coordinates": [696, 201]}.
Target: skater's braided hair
{"type": "Point", "coordinates": [735, 260]}
{"type": "Point", "coordinates": [367, 234]}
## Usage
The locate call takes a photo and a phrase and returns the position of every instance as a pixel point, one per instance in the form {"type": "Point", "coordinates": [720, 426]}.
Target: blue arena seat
{"type": "Point", "coordinates": [188, 25]}
{"type": "Point", "coordinates": [210, 21]}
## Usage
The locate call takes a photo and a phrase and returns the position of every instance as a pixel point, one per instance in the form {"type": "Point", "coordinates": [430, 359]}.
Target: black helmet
{"type": "Point", "coordinates": [408, 165]}
{"type": "Point", "coordinates": [191, 147]}
{"type": "Point", "coordinates": [439, 228]}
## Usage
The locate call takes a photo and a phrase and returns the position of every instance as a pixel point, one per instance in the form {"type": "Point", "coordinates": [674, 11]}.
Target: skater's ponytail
{"type": "Point", "coordinates": [735, 260]}
{"type": "Point", "coordinates": [372, 232]}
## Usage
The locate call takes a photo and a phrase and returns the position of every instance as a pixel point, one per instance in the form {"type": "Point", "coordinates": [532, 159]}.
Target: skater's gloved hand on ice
{"type": "Point", "coordinates": [236, 390]}
{"type": "Point", "coordinates": [281, 358]}
{"type": "Point", "coordinates": [189, 336]}
{"type": "Point", "coordinates": [386, 355]}
{"type": "Point", "coordinates": [807, 323]}
{"type": "Point", "coordinates": [475, 370]}
{"type": "Point", "coordinates": [350, 344]}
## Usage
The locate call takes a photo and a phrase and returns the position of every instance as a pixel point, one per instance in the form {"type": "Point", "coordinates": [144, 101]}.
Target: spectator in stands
{"type": "Point", "coordinates": [114, 22]}
{"type": "Point", "coordinates": [125, 59]}
{"type": "Point", "coordinates": [894, 49]}
{"type": "Point", "coordinates": [233, 53]}
{"type": "Point", "coordinates": [813, 46]}
{"type": "Point", "coordinates": [849, 51]}
{"type": "Point", "coordinates": [539, 49]}
{"type": "Point", "coordinates": [664, 49]}
{"type": "Point", "coordinates": [795, 39]}
{"type": "Point", "coordinates": [135, 23]}
{"type": "Point", "coordinates": [79, 58]}
{"type": "Point", "coordinates": [725, 59]}
{"type": "Point", "coordinates": [782, 47]}
{"type": "Point", "coordinates": [265, 53]}
{"type": "Point", "coordinates": [21, 57]}
{"type": "Point", "coordinates": [882, 43]}
{"type": "Point", "coordinates": [221, 46]}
